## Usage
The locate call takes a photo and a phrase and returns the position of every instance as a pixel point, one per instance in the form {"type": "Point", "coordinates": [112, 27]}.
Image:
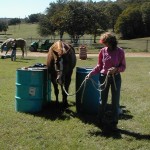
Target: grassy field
{"type": "Point", "coordinates": [29, 32]}
{"type": "Point", "coordinates": [55, 129]}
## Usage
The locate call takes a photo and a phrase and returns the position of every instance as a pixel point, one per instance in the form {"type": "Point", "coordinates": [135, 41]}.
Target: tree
{"type": "Point", "coordinates": [112, 11]}
{"type": "Point", "coordinates": [129, 23]}
{"type": "Point", "coordinates": [45, 27]}
{"type": "Point", "coordinates": [57, 20]}
{"type": "Point", "coordinates": [145, 8]}
{"type": "Point", "coordinates": [97, 21]}
{"type": "Point", "coordinates": [14, 21]}
{"type": "Point", "coordinates": [75, 18]}
{"type": "Point", "coordinates": [76, 21]}
{"type": "Point", "coordinates": [3, 26]}
{"type": "Point", "coordinates": [34, 18]}
{"type": "Point", "coordinates": [72, 20]}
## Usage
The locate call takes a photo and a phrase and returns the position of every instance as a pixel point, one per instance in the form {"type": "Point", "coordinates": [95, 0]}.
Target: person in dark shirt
{"type": "Point", "coordinates": [14, 47]}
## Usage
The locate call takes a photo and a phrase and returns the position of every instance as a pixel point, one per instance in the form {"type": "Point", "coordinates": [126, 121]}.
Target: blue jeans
{"type": "Point", "coordinates": [115, 96]}
{"type": "Point", "coordinates": [13, 55]}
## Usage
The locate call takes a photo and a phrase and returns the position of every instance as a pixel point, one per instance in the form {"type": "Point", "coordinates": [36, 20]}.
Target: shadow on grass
{"type": "Point", "coordinates": [93, 119]}
{"type": "Point", "coordinates": [54, 111]}
{"type": "Point", "coordinates": [107, 132]}
{"type": "Point", "coordinates": [118, 134]}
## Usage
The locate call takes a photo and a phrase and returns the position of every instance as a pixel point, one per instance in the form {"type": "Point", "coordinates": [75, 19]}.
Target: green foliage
{"type": "Point", "coordinates": [33, 18]}
{"type": "Point", "coordinates": [76, 18]}
{"type": "Point", "coordinates": [145, 8]}
{"type": "Point", "coordinates": [130, 23]}
{"type": "Point", "coordinates": [45, 27]}
{"type": "Point", "coordinates": [14, 21]}
{"type": "Point", "coordinates": [3, 26]}
{"type": "Point", "coordinates": [96, 21]}
{"type": "Point", "coordinates": [112, 11]}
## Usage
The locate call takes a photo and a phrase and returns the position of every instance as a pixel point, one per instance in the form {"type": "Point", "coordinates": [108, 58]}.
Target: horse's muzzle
{"type": "Point", "coordinates": [59, 81]}
{"type": "Point", "coordinates": [59, 78]}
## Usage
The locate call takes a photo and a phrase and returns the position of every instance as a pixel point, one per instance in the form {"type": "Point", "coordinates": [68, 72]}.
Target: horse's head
{"type": "Point", "coordinates": [59, 70]}
{"type": "Point", "coordinates": [59, 52]}
{"type": "Point", "coordinates": [3, 47]}
{"type": "Point", "coordinates": [6, 45]}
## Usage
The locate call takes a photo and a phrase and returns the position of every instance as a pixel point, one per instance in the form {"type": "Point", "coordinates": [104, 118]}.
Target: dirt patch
{"type": "Point", "coordinates": [142, 54]}
{"type": "Point", "coordinates": [44, 54]}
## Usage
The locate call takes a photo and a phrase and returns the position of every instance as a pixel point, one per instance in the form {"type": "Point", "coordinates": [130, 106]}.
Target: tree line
{"type": "Point", "coordinates": [128, 18]}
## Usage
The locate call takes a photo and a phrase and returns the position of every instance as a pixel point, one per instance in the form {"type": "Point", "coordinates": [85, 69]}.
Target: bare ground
{"type": "Point", "coordinates": [142, 54]}
{"type": "Point", "coordinates": [44, 54]}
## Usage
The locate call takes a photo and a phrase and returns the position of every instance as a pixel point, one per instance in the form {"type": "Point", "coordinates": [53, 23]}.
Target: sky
{"type": "Point", "coordinates": [24, 8]}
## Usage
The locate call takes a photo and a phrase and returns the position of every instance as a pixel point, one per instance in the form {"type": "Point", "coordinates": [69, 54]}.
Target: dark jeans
{"type": "Point", "coordinates": [115, 96]}
{"type": "Point", "coordinates": [13, 55]}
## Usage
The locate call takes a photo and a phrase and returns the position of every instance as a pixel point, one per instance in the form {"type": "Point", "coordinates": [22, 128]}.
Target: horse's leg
{"type": "Point", "coordinates": [56, 90]}
{"type": "Point", "coordinates": [22, 52]}
{"type": "Point", "coordinates": [66, 86]}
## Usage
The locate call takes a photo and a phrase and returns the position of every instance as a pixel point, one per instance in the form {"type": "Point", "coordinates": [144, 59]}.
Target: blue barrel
{"type": "Point", "coordinates": [31, 89]}
{"type": "Point", "coordinates": [87, 99]}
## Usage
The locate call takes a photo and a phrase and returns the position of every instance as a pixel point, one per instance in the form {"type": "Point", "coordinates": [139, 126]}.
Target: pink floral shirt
{"type": "Point", "coordinates": [108, 59]}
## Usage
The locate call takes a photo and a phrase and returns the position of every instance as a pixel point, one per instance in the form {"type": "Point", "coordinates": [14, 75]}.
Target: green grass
{"type": "Point", "coordinates": [65, 130]}
{"type": "Point", "coordinates": [23, 31]}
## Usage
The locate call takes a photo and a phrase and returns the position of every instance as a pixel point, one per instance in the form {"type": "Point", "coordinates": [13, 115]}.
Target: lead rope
{"type": "Point", "coordinates": [83, 83]}
{"type": "Point", "coordinates": [94, 85]}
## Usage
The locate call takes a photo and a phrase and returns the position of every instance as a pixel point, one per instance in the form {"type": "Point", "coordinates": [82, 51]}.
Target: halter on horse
{"type": "Point", "coordinates": [61, 61]}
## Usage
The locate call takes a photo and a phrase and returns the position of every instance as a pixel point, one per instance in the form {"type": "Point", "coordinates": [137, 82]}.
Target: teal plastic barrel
{"type": "Point", "coordinates": [31, 89]}
{"type": "Point", "coordinates": [46, 84]}
{"type": "Point", "coordinates": [87, 99]}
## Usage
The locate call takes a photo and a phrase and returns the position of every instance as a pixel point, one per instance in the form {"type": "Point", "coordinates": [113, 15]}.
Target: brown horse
{"type": "Point", "coordinates": [21, 43]}
{"type": "Point", "coordinates": [61, 61]}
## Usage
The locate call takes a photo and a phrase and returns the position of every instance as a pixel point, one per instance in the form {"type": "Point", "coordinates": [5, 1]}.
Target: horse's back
{"type": "Point", "coordinates": [21, 43]}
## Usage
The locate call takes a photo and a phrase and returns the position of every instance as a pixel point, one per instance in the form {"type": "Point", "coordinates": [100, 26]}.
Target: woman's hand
{"type": "Point", "coordinates": [112, 70]}
{"type": "Point", "coordinates": [88, 76]}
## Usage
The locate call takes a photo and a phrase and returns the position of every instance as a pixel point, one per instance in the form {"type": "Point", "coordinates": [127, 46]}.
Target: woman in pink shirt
{"type": "Point", "coordinates": [111, 61]}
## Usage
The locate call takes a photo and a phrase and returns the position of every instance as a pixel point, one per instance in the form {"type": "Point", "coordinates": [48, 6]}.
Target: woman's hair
{"type": "Point", "coordinates": [110, 39]}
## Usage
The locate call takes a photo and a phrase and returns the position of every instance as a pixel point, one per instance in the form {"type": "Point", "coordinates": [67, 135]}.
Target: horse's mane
{"type": "Point", "coordinates": [60, 47]}
{"type": "Point", "coordinates": [8, 40]}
